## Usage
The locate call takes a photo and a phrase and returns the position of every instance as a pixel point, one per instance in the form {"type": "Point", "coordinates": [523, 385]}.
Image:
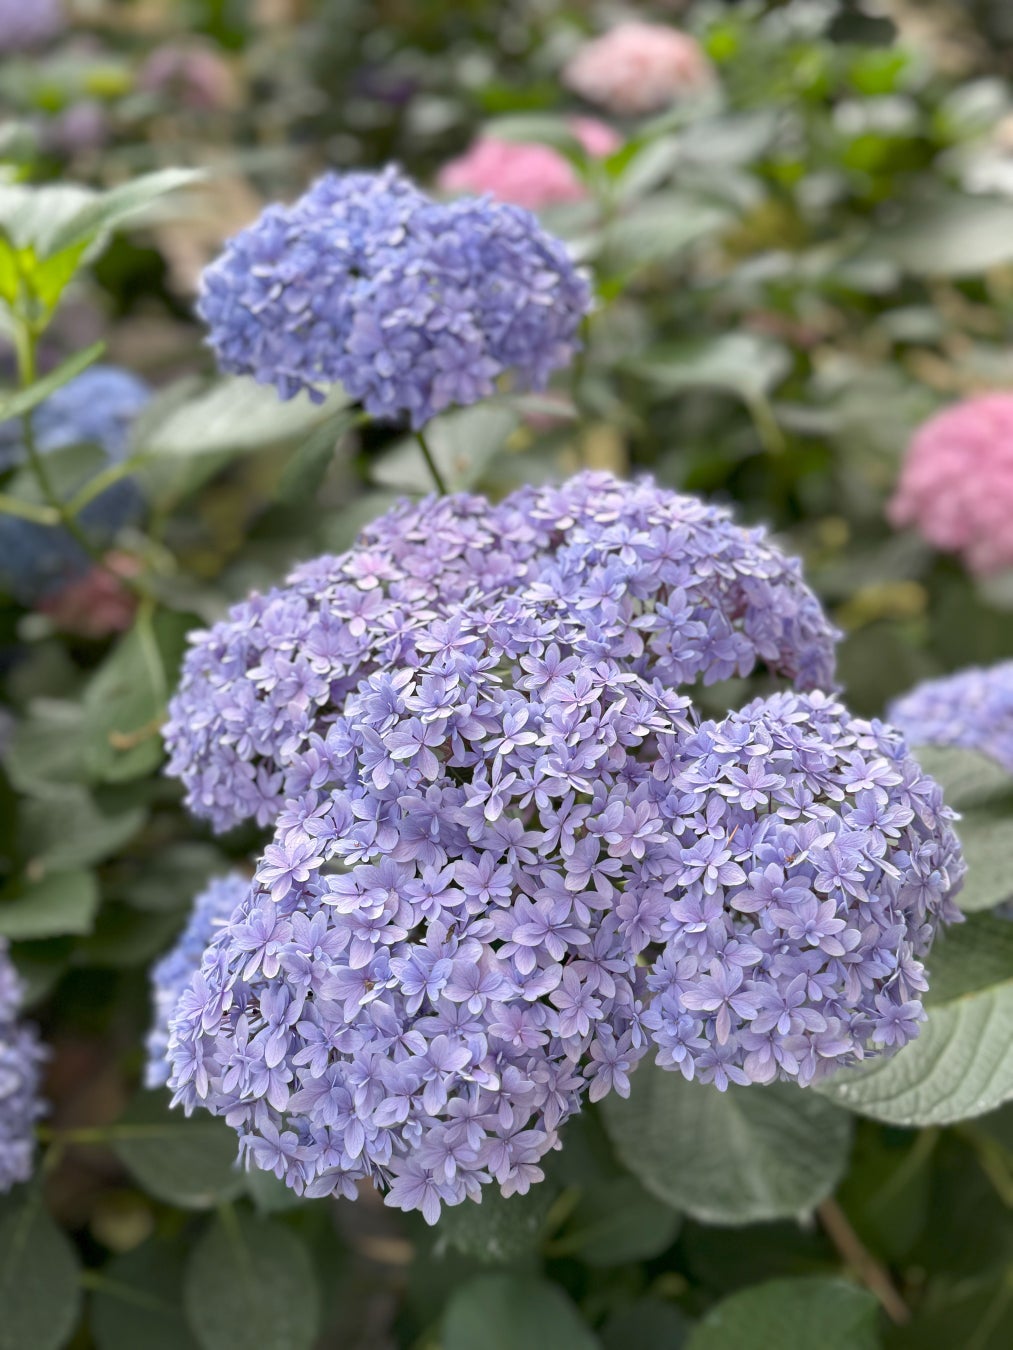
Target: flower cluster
{"type": "Point", "coordinates": [972, 709]}
{"type": "Point", "coordinates": [96, 408]}
{"type": "Point", "coordinates": [412, 305]}
{"type": "Point", "coordinates": [21, 1058]}
{"type": "Point", "coordinates": [668, 584]}
{"type": "Point", "coordinates": [433, 967]}
{"type": "Point", "coordinates": [526, 173]}
{"type": "Point", "coordinates": [816, 863]}
{"type": "Point", "coordinates": [212, 909]}
{"type": "Point", "coordinates": [194, 75]}
{"type": "Point", "coordinates": [98, 603]}
{"type": "Point", "coordinates": [639, 68]}
{"type": "Point", "coordinates": [956, 485]}
{"type": "Point", "coordinates": [24, 27]}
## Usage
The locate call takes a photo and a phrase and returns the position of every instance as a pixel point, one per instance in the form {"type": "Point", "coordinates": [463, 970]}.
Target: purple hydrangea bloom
{"type": "Point", "coordinates": [21, 1059]}
{"type": "Point", "coordinates": [433, 966]}
{"type": "Point", "coordinates": [816, 862]}
{"type": "Point", "coordinates": [972, 709]}
{"type": "Point", "coordinates": [669, 586]}
{"type": "Point", "coordinates": [97, 407]}
{"type": "Point", "coordinates": [26, 26]}
{"type": "Point", "coordinates": [212, 908]}
{"type": "Point", "coordinates": [412, 305]}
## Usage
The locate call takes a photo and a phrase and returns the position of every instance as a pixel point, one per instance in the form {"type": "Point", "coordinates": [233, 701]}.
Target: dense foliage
{"type": "Point", "coordinates": [597, 807]}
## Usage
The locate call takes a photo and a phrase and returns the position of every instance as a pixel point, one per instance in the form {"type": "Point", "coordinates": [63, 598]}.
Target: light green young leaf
{"type": "Point", "coordinates": [513, 1312]}
{"type": "Point", "coordinates": [961, 1065]}
{"type": "Point", "coordinates": [250, 1282]}
{"type": "Point", "coordinates": [825, 1313]}
{"type": "Point", "coordinates": [659, 228]}
{"type": "Point", "coordinates": [39, 1292]}
{"type": "Point", "coordinates": [735, 1157]}
{"type": "Point", "coordinates": [951, 237]}
{"type": "Point", "coordinates": [108, 210]}
{"type": "Point", "coordinates": [59, 904]}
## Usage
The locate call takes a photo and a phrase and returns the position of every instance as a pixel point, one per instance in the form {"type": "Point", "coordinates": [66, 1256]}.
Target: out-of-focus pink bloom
{"type": "Point", "coordinates": [82, 127]}
{"type": "Point", "coordinates": [956, 485]}
{"type": "Point", "coordinates": [639, 68]}
{"type": "Point", "coordinates": [97, 604]}
{"type": "Point", "coordinates": [525, 173]}
{"type": "Point", "coordinates": [192, 74]}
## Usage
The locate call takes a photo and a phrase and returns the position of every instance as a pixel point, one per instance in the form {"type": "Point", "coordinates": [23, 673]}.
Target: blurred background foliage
{"type": "Point", "coordinates": [792, 274]}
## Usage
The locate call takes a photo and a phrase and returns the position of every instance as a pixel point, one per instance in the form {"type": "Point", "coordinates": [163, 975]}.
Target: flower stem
{"type": "Point", "coordinates": [861, 1261]}
{"type": "Point", "coordinates": [427, 455]}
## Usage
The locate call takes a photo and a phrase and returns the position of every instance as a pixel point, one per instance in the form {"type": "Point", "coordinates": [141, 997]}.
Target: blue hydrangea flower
{"type": "Point", "coordinates": [431, 970]}
{"type": "Point", "coordinates": [212, 908]}
{"type": "Point", "coordinates": [98, 407]}
{"type": "Point", "coordinates": [815, 863]}
{"type": "Point", "coordinates": [21, 1059]}
{"type": "Point", "coordinates": [412, 305]}
{"type": "Point", "coordinates": [972, 709]}
{"type": "Point", "coordinates": [26, 26]}
{"type": "Point", "coordinates": [669, 586]}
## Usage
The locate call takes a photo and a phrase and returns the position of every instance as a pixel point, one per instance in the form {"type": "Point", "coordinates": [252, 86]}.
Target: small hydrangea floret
{"type": "Point", "coordinates": [21, 1060]}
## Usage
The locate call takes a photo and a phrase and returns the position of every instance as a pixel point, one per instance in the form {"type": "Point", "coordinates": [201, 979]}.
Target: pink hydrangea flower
{"type": "Point", "coordinates": [639, 68]}
{"type": "Point", "coordinates": [97, 604]}
{"type": "Point", "coordinates": [193, 74]}
{"type": "Point", "coordinates": [956, 485]}
{"type": "Point", "coordinates": [525, 173]}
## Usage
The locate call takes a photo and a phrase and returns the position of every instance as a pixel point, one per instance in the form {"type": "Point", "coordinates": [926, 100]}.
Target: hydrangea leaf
{"type": "Point", "coordinates": [39, 1291]}
{"type": "Point", "coordinates": [737, 363]}
{"type": "Point", "coordinates": [961, 1065]}
{"type": "Point", "coordinates": [138, 1301]}
{"type": "Point", "coordinates": [61, 903]}
{"type": "Point", "coordinates": [986, 837]}
{"type": "Point", "coordinates": [951, 237]}
{"type": "Point", "coordinates": [307, 469]}
{"type": "Point", "coordinates": [647, 1322]}
{"type": "Point", "coordinates": [733, 1157]}
{"type": "Point", "coordinates": [47, 746]}
{"type": "Point", "coordinates": [659, 228]}
{"type": "Point", "coordinates": [614, 1222]}
{"type": "Point", "coordinates": [968, 778]}
{"type": "Point", "coordinates": [513, 1312]}
{"type": "Point", "coordinates": [463, 444]}
{"type": "Point", "coordinates": [189, 1162]}
{"type": "Point", "coordinates": [250, 1282]}
{"type": "Point", "coordinates": [27, 399]}
{"type": "Point", "coordinates": [828, 1313]}
{"type": "Point", "coordinates": [499, 1228]}
{"type": "Point", "coordinates": [66, 829]}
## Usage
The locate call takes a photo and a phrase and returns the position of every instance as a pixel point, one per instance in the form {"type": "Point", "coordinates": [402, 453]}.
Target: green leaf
{"type": "Point", "coordinates": [733, 1157]}
{"type": "Point", "coordinates": [967, 778]}
{"type": "Point", "coordinates": [951, 237]}
{"type": "Point", "coordinates": [39, 1292]}
{"type": "Point", "coordinates": [498, 1228]}
{"type": "Point", "coordinates": [737, 363]}
{"type": "Point", "coordinates": [616, 1222]}
{"type": "Point", "coordinates": [307, 469]}
{"type": "Point", "coordinates": [961, 1065]}
{"type": "Point", "coordinates": [66, 829]}
{"type": "Point", "coordinates": [19, 404]}
{"type": "Point", "coordinates": [541, 128]}
{"type": "Point", "coordinates": [189, 1162]}
{"type": "Point", "coordinates": [138, 1300]}
{"type": "Point", "coordinates": [108, 210]}
{"type": "Point", "coordinates": [168, 882]}
{"type": "Point", "coordinates": [513, 1312]}
{"type": "Point", "coordinates": [47, 747]}
{"type": "Point", "coordinates": [250, 1282]}
{"type": "Point", "coordinates": [124, 703]}
{"type": "Point", "coordinates": [647, 1324]}
{"type": "Point", "coordinates": [125, 937]}
{"type": "Point", "coordinates": [986, 836]}
{"type": "Point", "coordinates": [463, 444]}
{"type": "Point", "coordinates": [61, 903]}
{"type": "Point", "coordinates": [659, 229]}
{"type": "Point", "coordinates": [824, 1314]}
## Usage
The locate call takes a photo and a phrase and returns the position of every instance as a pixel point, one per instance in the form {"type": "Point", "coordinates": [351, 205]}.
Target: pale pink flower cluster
{"type": "Point", "coordinates": [97, 604]}
{"type": "Point", "coordinates": [526, 173]}
{"type": "Point", "coordinates": [956, 485]}
{"type": "Point", "coordinates": [639, 68]}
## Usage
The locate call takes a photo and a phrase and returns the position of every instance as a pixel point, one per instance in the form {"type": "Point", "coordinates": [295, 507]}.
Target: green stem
{"type": "Point", "coordinates": [39, 515]}
{"type": "Point", "coordinates": [427, 455]}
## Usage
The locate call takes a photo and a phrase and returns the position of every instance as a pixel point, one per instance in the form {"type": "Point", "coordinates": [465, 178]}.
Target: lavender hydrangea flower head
{"type": "Point", "coordinates": [97, 408]}
{"type": "Point", "coordinates": [432, 969]}
{"type": "Point", "coordinates": [24, 27]}
{"type": "Point", "coordinates": [671, 586]}
{"type": "Point", "coordinates": [816, 863]}
{"type": "Point", "coordinates": [21, 1059]}
{"type": "Point", "coordinates": [972, 709]}
{"type": "Point", "coordinates": [212, 908]}
{"type": "Point", "coordinates": [412, 305]}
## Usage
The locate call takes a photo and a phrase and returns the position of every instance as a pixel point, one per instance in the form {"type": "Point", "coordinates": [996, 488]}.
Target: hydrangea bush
{"type": "Point", "coordinates": [21, 1059]}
